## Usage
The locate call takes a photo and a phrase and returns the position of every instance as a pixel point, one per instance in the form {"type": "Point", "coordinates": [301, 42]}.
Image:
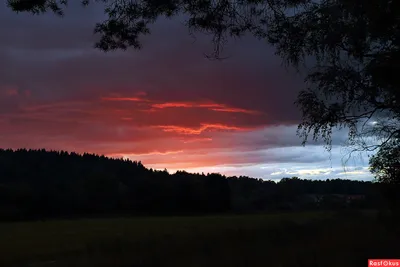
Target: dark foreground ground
{"type": "Point", "coordinates": [287, 240]}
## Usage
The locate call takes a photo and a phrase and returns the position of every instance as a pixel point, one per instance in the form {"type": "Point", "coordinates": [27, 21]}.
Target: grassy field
{"type": "Point", "coordinates": [287, 240]}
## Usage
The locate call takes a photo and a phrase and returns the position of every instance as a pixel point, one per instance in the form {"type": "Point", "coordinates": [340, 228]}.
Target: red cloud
{"type": "Point", "coordinates": [236, 110]}
{"type": "Point", "coordinates": [195, 140]}
{"type": "Point", "coordinates": [55, 106]}
{"type": "Point", "coordinates": [9, 90]}
{"type": "Point", "coordinates": [12, 92]}
{"type": "Point", "coordinates": [187, 105]}
{"type": "Point", "coordinates": [126, 119]}
{"type": "Point", "coordinates": [135, 99]}
{"type": "Point", "coordinates": [155, 152]}
{"type": "Point", "coordinates": [197, 131]}
{"type": "Point", "coordinates": [211, 106]}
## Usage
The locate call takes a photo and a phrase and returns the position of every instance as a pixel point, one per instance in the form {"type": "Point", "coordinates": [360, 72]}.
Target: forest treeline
{"type": "Point", "coordinates": [39, 184]}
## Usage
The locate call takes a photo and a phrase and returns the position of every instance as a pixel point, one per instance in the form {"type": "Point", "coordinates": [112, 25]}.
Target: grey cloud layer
{"type": "Point", "coordinates": [54, 58]}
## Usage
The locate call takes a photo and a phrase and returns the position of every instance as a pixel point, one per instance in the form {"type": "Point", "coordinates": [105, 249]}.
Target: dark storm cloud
{"type": "Point", "coordinates": [53, 58]}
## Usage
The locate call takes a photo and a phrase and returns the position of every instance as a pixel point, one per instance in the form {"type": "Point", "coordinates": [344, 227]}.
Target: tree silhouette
{"type": "Point", "coordinates": [37, 184]}
{"type": "Point", "coordinates": [386, 163]}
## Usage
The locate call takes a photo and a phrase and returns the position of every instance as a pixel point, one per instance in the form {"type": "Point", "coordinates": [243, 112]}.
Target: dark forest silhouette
{"type": "Point", "coordinates": [37, 184]}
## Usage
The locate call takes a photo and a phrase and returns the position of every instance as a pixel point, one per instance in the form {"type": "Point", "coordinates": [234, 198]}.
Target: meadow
{"type": "Point", "coordinates": [292, 239]}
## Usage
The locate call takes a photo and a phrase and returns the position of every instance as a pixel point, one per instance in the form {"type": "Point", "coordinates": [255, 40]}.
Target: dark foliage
{"type": "Point", "coordinates": [38, 184]}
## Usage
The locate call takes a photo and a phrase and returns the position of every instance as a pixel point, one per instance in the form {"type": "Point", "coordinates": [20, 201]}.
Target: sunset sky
{"type": "Point", "coordinates": [166, 105]}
